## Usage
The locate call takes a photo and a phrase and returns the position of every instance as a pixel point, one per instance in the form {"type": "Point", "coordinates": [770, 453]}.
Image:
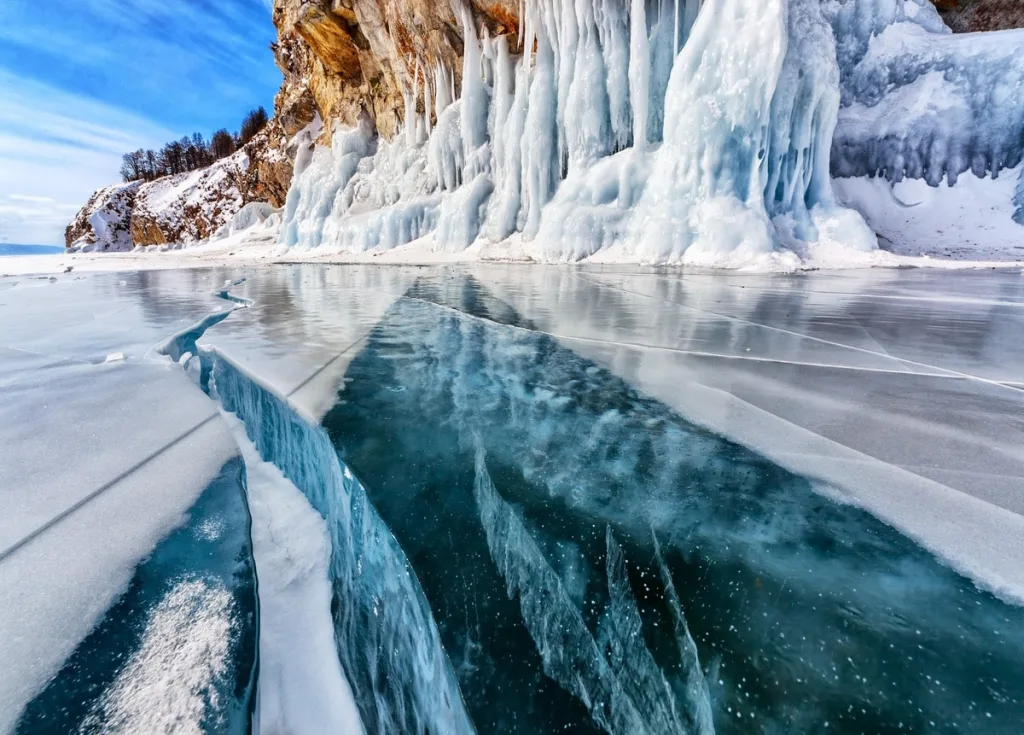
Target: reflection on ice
{"type": "Point", "coordinates": [544, 500]}
{"type": "Point", "coordinates": [805, 610]}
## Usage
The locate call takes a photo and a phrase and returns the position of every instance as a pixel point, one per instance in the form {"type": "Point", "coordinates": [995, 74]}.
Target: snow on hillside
{"type": "Point", "coordinates": [189, 207]}
{"type": "Point", "coordinates": [180, 209]}
{"type": "Point", "coordinates": [103, 224]}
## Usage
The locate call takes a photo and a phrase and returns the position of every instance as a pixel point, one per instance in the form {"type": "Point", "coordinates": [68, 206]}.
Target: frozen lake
{"type": "Point", "coordinates": [509, 498]}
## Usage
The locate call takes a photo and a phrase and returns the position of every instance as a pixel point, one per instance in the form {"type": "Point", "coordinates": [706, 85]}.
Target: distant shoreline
{"type": "Point", "coordinates": [12, 249]}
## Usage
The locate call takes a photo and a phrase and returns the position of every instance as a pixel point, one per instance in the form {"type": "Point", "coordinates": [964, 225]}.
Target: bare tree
{"type": "Point", "coordinates": [252, 124]}
{"type": "Point", "coordinates": [222, 144]}
{"type": "Point", "coordinates": [190, 153]}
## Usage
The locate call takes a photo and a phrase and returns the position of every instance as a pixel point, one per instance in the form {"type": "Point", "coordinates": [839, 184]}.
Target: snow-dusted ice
{"type": "Point", "coordinates": [128, 587]}
{"type": "Point", "coordinates": [500, 498]}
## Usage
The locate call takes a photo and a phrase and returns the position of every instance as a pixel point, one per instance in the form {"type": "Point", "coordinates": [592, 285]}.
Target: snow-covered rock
{"type": "Point", "coordinates": [189, 207]}
{"type": "Point", "coordinates": [104, 222]}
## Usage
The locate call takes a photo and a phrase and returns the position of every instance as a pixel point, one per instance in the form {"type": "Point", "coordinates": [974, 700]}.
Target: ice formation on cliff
{"type": "Point", "coordinates": [686, 132]}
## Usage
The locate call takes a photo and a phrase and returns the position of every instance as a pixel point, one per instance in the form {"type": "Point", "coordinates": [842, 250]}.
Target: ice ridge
{"type": "Point", "coordinates": [614, 674]}
{"type": "Point", "coordinates": [387, 639]}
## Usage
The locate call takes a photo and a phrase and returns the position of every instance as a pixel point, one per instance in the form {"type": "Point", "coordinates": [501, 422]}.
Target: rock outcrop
{"type": "Point", "coordinates": [348, 55]}
{"type": "Point", "coordinates": [970, 16]}
{"type": "Point", "coordinates": [104, 223]}
{"type": "Point", "coordinates": [189, 207]}
{"type": "Point", "coordinates": [269, 173]}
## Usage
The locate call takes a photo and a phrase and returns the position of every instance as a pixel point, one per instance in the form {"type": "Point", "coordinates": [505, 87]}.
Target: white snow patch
{"type": "Point", "coordinates": [302, 688]}
{"type": "Point", "coordinates": [168, 683]}
{"type": "Point", "coordinates": [971, 220]}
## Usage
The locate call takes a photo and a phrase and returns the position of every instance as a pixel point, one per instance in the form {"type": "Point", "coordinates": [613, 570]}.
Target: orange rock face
{"type": "Point", "coordinates": [972, 16]}
{"type": "Point", "coordinates": [350, 55]}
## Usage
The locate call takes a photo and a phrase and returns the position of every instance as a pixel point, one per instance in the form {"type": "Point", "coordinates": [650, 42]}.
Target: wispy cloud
{"type": "Point", "coordinates": [56, 148]}
{"type": "Point", "coordinates": [31, 199]}
{"type": "Point", "coordinates": [83, 82]}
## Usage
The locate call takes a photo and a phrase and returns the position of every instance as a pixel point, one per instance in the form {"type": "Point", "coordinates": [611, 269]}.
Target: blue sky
{"type": "Point", "coordinates": [83, 81]}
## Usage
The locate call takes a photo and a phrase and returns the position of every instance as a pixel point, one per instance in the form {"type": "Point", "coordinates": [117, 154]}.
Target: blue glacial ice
{"type": "Point", "coordinates": [614, 675]}
{"type": "Point", "coordinates": [499, 459]}
{"type": "Point", "coordinates": [491, 531]}
{"type": "Point", "coordinates": [386, 638]}
{"type": "Point", "coordinates": [178, 648]}
{"type": "Point", "coordinates": [658, 132]}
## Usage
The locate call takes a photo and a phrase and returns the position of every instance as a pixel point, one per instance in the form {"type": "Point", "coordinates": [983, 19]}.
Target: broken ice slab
{"type": "Point", "coordinates": [901, 389]}
{"type": "Point", "coordinates": [177, 650]}
{"type": "Point", "coordinates": [386, 637]}
{"type": "Point", "coordinates": [303, 324]}
{"type": "Point", "coordinates": [125, 525]}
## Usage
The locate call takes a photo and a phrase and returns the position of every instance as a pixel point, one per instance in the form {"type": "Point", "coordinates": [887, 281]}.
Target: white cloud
{"type": "Point", "coordinates": [56, 148]}
{"type": "Point", "coordinates": [31, 199]}
{"type": "Point", "coordinates": [194, 65]}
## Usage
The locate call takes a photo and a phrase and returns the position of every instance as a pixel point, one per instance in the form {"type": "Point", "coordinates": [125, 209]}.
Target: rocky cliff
{"type": "Point", "coordinates": [188, 207]}
{"type": "Point", "coordinates": [343, 56]}
{"type": "Point", "coordinates": [339, 57]}
{"type": "Point", "coordinates": [355, 63]}
{"type": "Point", "coordinates": [970, 16]}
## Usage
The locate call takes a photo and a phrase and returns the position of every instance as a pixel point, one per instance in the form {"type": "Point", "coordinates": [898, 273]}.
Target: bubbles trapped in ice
{"type": "Point", "coordinates": [652, 576]}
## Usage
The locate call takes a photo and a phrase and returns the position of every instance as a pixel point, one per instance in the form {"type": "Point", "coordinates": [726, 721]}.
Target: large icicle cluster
{"type": "Point", "coordinates": [632, 129]}
{"type": "Point", "coordinates": [920, 102]}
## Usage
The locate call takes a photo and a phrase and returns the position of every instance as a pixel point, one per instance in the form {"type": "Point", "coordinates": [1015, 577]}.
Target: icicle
{"type": "Point", "coordinates": [522, 17]}
{"type": "Point", "coordinates": [529, 35]}
{"type": "Point", "coordinates": [504, 85]}
{"type": "Point", "coordinates": [509, 143]}
{"type": "Point", "coordinates": [540, 144]}
{"type": "Point", "coordinates": [613, 33]}
{"type": "Point", "coordinates": [427, 104]}
{"type": "Point", "coordinates": [587, 123]}
{"type": "Point", "coordinates": [691, 10]}
{"type": "Point", "coordinates": [675, 29]}
{"type": "Point", "coordinates": [639, 72]}
{"type": "Point", "coordinates": [662, 58]}
{"type": "Point", "coordinates": [410, 108]}
{"type": "Point", "coordinates": [442, 88]}
{"type": "Point", "coordinates": [566, 55]}
{"type": "Point", "coordinates": [474, 94]}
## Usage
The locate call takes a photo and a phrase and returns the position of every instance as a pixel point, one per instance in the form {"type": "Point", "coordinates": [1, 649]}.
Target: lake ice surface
{"type": "Point", "coordinates": [616, 499]}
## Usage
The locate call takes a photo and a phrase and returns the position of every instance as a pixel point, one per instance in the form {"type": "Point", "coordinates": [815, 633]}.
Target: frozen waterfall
{"type": "Point", "coordinates": [701, 132]}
